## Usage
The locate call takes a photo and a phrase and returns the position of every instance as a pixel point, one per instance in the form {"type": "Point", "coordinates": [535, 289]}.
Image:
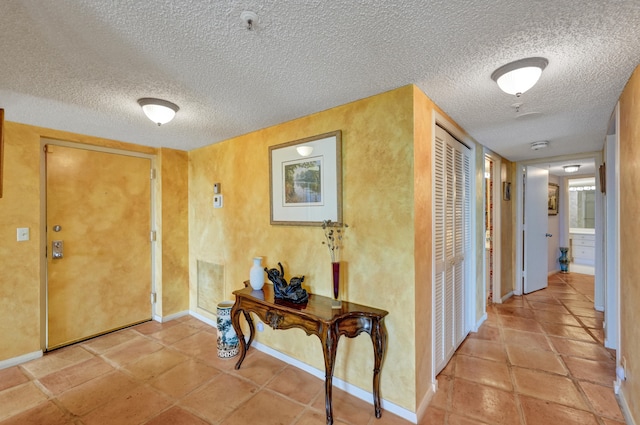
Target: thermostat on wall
{"type": "Point", "coordinates": [217, 201]}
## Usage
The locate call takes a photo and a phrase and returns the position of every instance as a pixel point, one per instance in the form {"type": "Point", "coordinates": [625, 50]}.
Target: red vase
{"type": "Point", "coordinates": [336, 278]}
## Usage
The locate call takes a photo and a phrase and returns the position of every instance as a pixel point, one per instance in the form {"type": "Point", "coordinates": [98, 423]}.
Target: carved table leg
{"type": "Point", "coordinates": [251, 328]}
{"type": "Point", "coordinates": [329, 341]}
{"type": "Point", "coordinates": [379, 339]}
{"type": "Point", "coordinates": [235, 322]}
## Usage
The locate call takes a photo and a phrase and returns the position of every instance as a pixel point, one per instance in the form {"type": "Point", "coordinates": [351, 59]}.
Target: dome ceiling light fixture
{"type": "Point", "coordinates": [157, 110]}
{"type": "Point", "coordinates": [571, 168]}
{"type": "Point", "coordinates": [536, 146]}
{"type": "Point", "coordinates": [517, 77]}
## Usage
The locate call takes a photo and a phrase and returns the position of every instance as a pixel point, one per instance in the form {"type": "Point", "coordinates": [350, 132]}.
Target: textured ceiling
{"type": "Point", "coordinates": [81, 65]}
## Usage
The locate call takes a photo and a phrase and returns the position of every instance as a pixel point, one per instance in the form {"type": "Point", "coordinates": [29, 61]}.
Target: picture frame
{"type": "Point", "coordinates": [553, 199]}
{"type": "Point", "coordinates": [506, 191]}
{"type": "Point", "coordinates": [305, 178]}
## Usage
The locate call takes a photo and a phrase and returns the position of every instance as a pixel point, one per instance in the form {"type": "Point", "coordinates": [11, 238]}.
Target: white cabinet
{"type": "Point", "coordinates": [583, 247]}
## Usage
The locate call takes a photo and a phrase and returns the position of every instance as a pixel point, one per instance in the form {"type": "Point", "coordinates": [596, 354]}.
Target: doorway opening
{"type": "Point", "coordinates": [491, 225]}
{"type": "Point", "coordinates": [581, 203]}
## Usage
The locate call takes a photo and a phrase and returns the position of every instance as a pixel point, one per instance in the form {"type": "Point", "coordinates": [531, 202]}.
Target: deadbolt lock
{"type": "Point", "coordinates": [57, 249]}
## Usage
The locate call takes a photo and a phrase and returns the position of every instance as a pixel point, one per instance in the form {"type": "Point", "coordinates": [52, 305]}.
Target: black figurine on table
{"type": "Point", "coordinates": [292, 292]}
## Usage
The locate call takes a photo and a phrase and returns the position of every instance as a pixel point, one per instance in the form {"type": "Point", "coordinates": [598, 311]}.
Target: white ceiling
{"type": "Point", "coordinates": [81, 65]}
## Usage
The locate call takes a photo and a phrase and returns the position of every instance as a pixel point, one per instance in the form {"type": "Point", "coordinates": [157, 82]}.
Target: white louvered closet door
{"type": "Point", "coordinates": [452, 202]}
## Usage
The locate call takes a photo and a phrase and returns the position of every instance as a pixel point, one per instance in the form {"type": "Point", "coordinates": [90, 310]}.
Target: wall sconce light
{"type": "Point", "coordinates": [157, 110]}
{"type": "Point", "coordinates": [571, 168]}
{"type": "Point", "coordinates": [304, 150]}
{"type": "Point", "coordinates": [519, 76]}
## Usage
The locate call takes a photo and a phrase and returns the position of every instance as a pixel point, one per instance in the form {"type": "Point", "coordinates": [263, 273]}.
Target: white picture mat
{"type": "Point", "coordinates": [326, 147]}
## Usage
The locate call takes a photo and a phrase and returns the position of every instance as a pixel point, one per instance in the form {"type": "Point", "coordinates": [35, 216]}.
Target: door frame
{"type": "Point", "coordinates": [564, 237]}
{"type": "Point", "coordinates": [612, 237]}
{"type": "Point", "coordinates": [155, 283]}
{"type": "Point", "coordinates": [496, 177]}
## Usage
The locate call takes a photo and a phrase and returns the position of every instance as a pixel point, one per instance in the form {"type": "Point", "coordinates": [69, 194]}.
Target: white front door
{"type": "Point", "coordinates": [536, 192]}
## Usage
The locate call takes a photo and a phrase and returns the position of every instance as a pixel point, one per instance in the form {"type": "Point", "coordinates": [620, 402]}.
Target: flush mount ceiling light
{"type": "Point", "coordinates": [157, 110]}
{"type": "Point", "coordinates": [571, 168]}
{"type": "Point", "coordinates": [536, 146]}
{"type": "Point", "coordinates": [304, 150]}
{"type": "Point", "coordinates": [519, 76]}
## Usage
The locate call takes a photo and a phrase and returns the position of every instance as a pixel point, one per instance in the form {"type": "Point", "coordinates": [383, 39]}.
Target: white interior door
{"type": "Point", "coordinates": [536, 192]}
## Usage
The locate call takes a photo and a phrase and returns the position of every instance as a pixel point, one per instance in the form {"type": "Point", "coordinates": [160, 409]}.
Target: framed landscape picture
{"type": "Point", "coordinates": [306, 180]}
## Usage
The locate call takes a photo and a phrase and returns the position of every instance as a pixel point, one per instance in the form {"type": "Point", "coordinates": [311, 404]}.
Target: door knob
{"type": "Point", "coordinates": [548, 235]}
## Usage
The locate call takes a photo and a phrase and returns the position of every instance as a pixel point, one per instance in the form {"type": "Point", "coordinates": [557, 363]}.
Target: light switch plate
{"type": "Point", "coordinates": [217, 201]}
{"type": "Point", "coordinates": [23, 234]}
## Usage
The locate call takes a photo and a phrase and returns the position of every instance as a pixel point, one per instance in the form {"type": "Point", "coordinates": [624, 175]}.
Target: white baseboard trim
{"type": "Point", "coordinates": [15, 361]}
{"type": "Point", "coordinates": [426, 400]}
{"type": "Point", "coordinates": [339, 383]}
{"type": "Point", "coordinates": [203, 319]}
{"type": "Point", "coordinates": [480, 322]}
{"type": "Point", "coordinates": [507, 296]}
{"type": "Point", "coordinates": [163, 319]}
{"type": "Point", "coordinates": [624, 406]}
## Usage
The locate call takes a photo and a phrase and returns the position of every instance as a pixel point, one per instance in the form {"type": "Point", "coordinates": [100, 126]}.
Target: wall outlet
{"type": "Point", "coordinates": [217, 201]}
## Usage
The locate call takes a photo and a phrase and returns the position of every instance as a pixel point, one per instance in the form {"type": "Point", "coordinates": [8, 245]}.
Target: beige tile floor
{"type": "Point", "coordinates": [538, 359]}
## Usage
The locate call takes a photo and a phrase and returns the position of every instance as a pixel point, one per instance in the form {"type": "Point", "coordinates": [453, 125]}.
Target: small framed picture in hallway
{"type": "Point", "coordinates": [554, 193]}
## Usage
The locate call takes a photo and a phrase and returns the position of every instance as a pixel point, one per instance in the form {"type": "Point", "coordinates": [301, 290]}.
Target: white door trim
{"type": "Point", "coordinates": [496, 242]}
{"type": "Point", "coordinates": [612, 236]}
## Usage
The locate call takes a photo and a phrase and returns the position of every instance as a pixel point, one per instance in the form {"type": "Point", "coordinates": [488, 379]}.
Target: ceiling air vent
{"type": "Point", "coordinates": [536, 146]}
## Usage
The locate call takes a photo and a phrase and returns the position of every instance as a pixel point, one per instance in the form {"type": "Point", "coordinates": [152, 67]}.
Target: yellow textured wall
{"type": "Point", "coordinates": [386, 153]}
{"type": "Point", "coordinates": [423, 141]}
{"type": "Point", "coordinates": [21, 275]}
{"type": "Point", "coordinates": [629, 246]}
{"type": "Point", "coordinates": [378, 205]}
{"type": "Point", "coordinates": [174, 176]}
{"type": "Point", "coordinates": [20, 261]}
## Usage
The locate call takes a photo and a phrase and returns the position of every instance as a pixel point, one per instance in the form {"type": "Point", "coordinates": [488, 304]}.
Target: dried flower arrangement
{"type": "Point", "coordinates": [333, 233]}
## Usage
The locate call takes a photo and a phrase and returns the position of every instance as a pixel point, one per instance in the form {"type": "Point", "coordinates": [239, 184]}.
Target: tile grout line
{"type": "Point", "coordinates": [570, 375]}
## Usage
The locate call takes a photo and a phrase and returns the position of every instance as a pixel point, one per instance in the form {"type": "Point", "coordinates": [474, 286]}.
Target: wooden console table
{"type": "Point", "coordinates": [317, 318]}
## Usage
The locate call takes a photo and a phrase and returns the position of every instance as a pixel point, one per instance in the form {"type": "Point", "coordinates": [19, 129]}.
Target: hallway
{"type": "Point", "coordinates": [535, 361]}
